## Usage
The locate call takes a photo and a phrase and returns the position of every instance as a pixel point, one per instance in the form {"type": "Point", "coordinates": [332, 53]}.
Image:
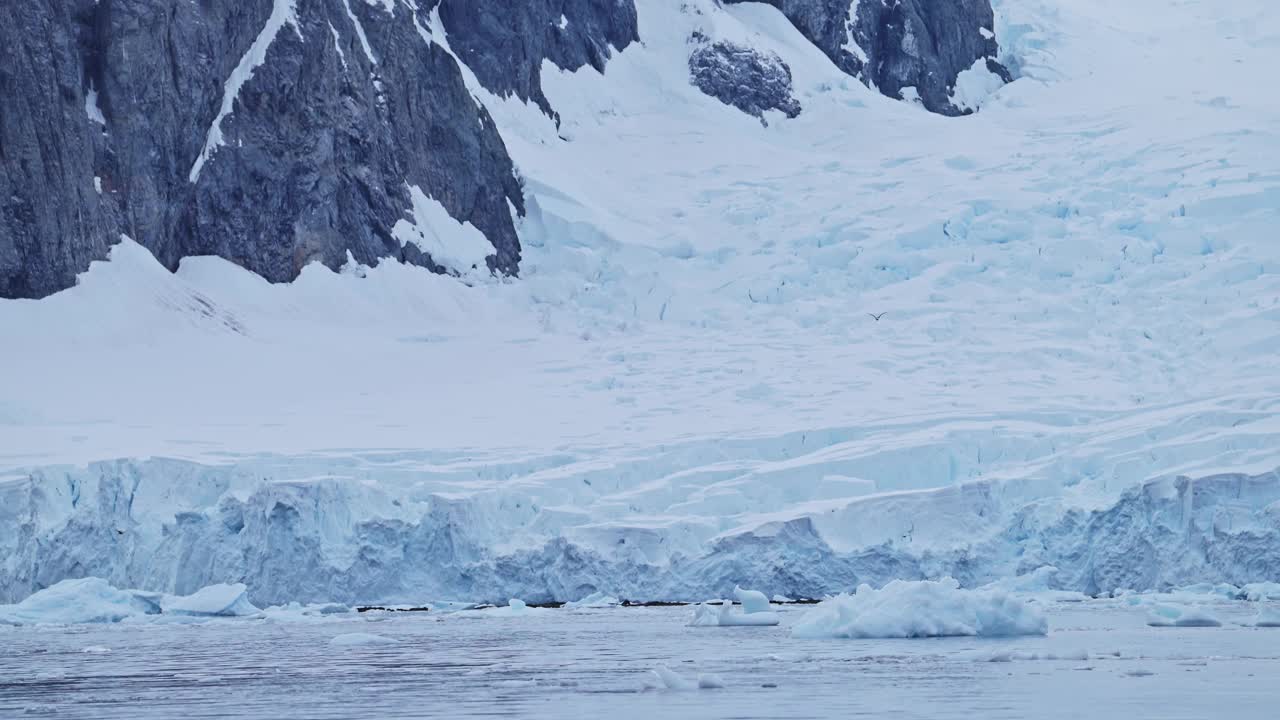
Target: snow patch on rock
{"type": "Point", "coordinates": [455, 245]}
{"type": "Point", "coordinates": [283, 12]}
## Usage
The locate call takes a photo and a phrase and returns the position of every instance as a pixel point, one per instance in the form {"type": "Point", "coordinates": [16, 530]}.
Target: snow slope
{"type": "Point", "coordinates": [685, 389]}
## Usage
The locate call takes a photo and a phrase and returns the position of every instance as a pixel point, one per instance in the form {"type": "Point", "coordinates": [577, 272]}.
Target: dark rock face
{"type": "Point", "coordinates": [747, 79]}
{"type": "Point", "coordinates": [923, 44]}
{"type": "Point", "coordinates": [505, 42]}
{"type": "Point", "coordinates": [108, 105]}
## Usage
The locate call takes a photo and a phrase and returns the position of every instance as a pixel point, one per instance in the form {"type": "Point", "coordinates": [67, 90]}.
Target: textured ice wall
{"type": "Point", "coordinates": [174, 526]}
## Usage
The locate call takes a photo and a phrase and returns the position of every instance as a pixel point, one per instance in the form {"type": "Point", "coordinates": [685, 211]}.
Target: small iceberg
{"type": "Point", "coordinates": [1181, 616]}
{"type": "Point", "coordinates": [361, 639]}
{"type": "Point", "coordinates": [922, 608]}
{"type": "Point", "coordinates": [1260, 591]}
{"type": "Point", "coordinates": [1268, 617]}
{"type": "Point", "coordinates": [94, 600]}
{"type": "Point", "coordinates": [211, 601]}
{"type": "Point", "coordinates": [664, 678]}
{"type": "Point", "coordinates": [75, 602]}
{"type": "Point", "coordinates": [723, 615]}
{"type": "Point", "coordinates": [515, 607]}
{"type": "Point", "coordinates": [753, 601]}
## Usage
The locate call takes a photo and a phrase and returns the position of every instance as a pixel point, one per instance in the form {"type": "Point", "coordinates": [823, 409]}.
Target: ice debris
{"type": "Point", "coordinates": [753, 601]}
{"type": "Point", "coordinates": [515, 607]}
{"type": "Point", "coordinates": [212, 601]}
{"type": "Point", "coordinates": [594, 600]}
{"type": "Point", "coordinates": [70, 602]}
{"type": "Point", "coordinates": [666, 678]}
{"type": "Point", "coordinates": [361, 639]}
{"type": "Point", "coordinates": [710, 614]}
{"type": "Point", "coordinates": [94, 600]}
{"type": "Point", "coordinates": [921, 608]}
{"type": "Point", "coordinates": [1166, 615]}
{"type": "Point", "coordinates": [1268, 617]}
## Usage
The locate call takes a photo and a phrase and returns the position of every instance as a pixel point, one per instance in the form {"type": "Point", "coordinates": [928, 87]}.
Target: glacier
{"type": "Point", "coordinates": [687, 388]}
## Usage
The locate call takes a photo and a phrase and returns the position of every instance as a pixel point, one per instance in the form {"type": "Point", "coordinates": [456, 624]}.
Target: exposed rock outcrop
{"type": "Point", "coordinates": [272, 133]}
{"type": "Point", "coordinates": [505, 43]}
{"type": "Point", "coordinates": [748, 79]}
{"type": "Point", "coordinates": [895, 46]}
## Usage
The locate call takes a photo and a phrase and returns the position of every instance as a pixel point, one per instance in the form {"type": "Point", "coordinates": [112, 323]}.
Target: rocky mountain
{"type": "Point", "coordinates": [901, 45]}
{"type": "Point", "coordinates": [275, 133]}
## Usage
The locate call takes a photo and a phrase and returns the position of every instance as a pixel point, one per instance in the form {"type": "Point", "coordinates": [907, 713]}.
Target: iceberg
{"type": "Point", "coordinates": [74, 602]}
{"type": "Point", "coordinates": [94, 600]}
{"type": "Point", "coordinates": [664, 678]}
{"type": "Point", "coordinates": [921, 608]}
{"type": "Point", "coordinates": [1181, 616]}
{"type": "Point", "coordinates": [1268, 617]}
{"type": "Point", "coordinates": [211, 601]}
{"type": "Point", "coordinates": [753, 601]}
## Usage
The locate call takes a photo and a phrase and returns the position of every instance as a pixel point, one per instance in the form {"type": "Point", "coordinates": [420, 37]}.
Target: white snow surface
{"type": "Point", "coordinates": [457, 246]}
{"type": "Point", "coordinates": [514, 608]}
{"type": "Point", "coordinates": [1081, 302]}
{"type": "Point", "coordinates": [664, 678]}
{"type": "Point", "coordinates": [918, 609]}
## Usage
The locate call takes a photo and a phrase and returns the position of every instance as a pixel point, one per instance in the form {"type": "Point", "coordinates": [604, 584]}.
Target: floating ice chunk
{"type": "Point", "coordinates": [514, 608]}
{"type": "Point", "coordinates": [211, 601]}
{"type": "Point", "coordinates": [753, 601]}
{"type": "Point", "coordinates": [361, 639]}
{"type": "Point", "coordinates": [86, 600]}
{"type": "Point", "coordinates": [1255, 592]}
{"type": "Point", "coordinates": [666, 678]}
{"type": "Point", "coordinates": [782, 599]}
{"type": "Point", "coordinates": [1180, 616]}
{"type": "Point", "coordinates": [669, 679]}
{"type": "Point", "coordinates": [912, 609]}
{"type": "Point", "coordinates": [1209, 591]}
{"type": "Point", "coordinates": [722, 615]}
{"type": "Point", "coordinates": [594, 600]}
{"type": "Point", "coordinates": [707, 681]}
{"type": "Point", "coordinates": [96, 650]}
{"type": "Point", "coordinates": [1268, 617]}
